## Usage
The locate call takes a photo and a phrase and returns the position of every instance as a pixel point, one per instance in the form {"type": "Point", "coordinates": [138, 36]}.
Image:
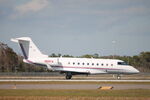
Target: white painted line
{"type": "Point", "coordinates": [74, 80]}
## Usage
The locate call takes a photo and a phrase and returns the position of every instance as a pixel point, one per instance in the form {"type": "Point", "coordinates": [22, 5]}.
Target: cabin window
{"type": "Point", "coordinates": [73, 63]}
{"type": "Point", "coordinates": [87, 63]}
{"type": "Point", "coordinates": [97, 64]}
{"type": "Point", "coordinates": [78, 63]}
{"type": "Point", "coordinates": [102, 64]}
{"type": "Point", "coordinates": [92, 64]}
{"type": "Point", "coordinates": [82, 63]}
{"type": "Point", "coordinates": [69, 63]}
{"type": "Point", "coordinates": [111, 64]}
{"type": "Point", "coordinates": [106, 64]}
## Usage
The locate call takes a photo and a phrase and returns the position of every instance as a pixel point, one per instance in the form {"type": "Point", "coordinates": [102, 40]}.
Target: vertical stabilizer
{"type": "Point", "coordinates": [28, 48]}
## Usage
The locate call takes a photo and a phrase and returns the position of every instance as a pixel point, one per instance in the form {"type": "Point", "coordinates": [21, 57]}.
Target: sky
{"type": "Point", "coordinates": [78, 27]}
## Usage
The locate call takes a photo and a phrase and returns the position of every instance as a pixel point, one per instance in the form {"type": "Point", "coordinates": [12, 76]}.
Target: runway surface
{"type": "Point", "coordinates": [34, 80]}
{"type": "Point", "coordinates": [122, 84]}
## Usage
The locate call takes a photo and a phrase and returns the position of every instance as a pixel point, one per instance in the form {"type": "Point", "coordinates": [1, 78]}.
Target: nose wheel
{"type": "Point", "coordinates": [118, 77]}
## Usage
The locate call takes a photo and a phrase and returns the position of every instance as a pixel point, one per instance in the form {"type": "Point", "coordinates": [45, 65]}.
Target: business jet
{"type": "Point", "coordinates": [72, 66]}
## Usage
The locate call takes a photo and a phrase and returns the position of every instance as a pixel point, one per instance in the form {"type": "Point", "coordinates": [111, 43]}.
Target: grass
{"type": "Point", "coordinates": [136, 94]}
{"type": "Point", "coordinates": [70, 98]}
{"type": "Point", "coordinates": [80, 93]}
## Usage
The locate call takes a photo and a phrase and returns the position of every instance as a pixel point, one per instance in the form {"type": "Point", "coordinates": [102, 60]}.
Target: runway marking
{"type": "Point", "coordinates": [74, 80]}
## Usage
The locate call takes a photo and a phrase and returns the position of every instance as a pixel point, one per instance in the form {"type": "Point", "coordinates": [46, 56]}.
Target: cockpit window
{"type": "Point", "coordinates": [122, 63]}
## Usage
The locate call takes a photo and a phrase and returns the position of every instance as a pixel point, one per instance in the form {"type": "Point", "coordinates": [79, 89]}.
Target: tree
{"type": "Point", "coordinates": [87, 56]}
{"type": "Point", "coordinates": [96, 55]}
{"type": "Point", "coordinates": [53, 55]}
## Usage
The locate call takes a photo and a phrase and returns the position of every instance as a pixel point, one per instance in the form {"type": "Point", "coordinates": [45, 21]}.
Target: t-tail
{"type": "Point", "coordinates": [28, 48]}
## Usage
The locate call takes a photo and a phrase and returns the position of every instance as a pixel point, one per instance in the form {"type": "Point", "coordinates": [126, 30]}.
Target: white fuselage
{"type": "Point", "coordinates": [86, 65]}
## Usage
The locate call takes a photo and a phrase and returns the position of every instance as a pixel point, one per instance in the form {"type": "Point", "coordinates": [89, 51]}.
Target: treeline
{"type": "Point", "coordinates": [11, 62]}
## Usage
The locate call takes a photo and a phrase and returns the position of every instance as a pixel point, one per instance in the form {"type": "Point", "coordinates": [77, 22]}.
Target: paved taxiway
{"type": "Point", "coordinates": [116, 86]}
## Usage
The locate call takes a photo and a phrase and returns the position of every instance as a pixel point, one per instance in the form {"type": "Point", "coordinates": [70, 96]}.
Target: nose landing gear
{"type": "Point", "coordinates": [118, 76]}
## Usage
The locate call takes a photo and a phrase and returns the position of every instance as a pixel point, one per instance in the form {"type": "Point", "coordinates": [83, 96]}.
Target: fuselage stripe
{"type": "Point", "coordinates": [87, 67]}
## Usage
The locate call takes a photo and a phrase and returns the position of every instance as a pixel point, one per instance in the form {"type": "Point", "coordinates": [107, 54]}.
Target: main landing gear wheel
{"type": "Point", "coordinates": [68, 75]}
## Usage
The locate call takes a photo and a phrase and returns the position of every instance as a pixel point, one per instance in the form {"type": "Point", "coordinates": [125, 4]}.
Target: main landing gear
{"type": "Point", "coordinates": [68, 75]}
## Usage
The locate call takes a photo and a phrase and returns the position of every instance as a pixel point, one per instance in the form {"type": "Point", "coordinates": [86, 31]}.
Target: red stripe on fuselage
{"type": "Point", "coordinates": [86, 67]}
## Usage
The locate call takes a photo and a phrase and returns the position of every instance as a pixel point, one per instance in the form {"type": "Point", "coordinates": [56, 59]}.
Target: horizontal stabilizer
{"type": "Point", "coordinates": [14, 40]}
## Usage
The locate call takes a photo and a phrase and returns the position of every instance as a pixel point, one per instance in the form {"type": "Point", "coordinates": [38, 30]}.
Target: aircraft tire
{"type": "Point", "coordinates": [68, 76]}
